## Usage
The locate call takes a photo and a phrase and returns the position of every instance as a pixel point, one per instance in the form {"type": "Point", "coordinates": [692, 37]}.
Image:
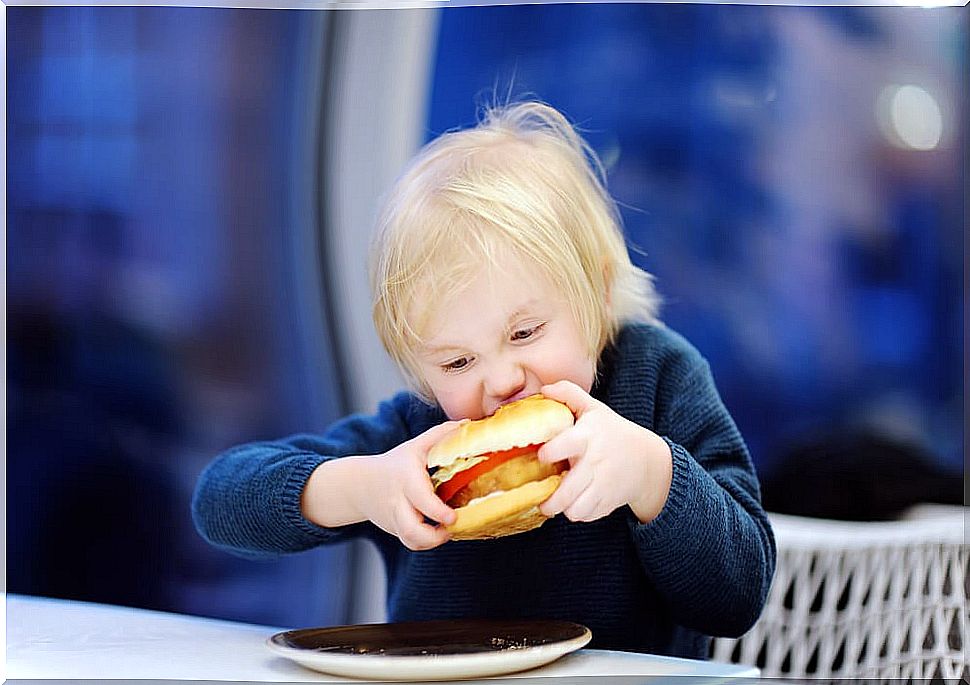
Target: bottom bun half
{"type": "Point", "coordinates": [515, 511]}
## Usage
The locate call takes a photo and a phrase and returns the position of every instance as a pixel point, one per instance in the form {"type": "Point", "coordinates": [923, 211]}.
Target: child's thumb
{"type": "Point", "coordinates": [438, 433]}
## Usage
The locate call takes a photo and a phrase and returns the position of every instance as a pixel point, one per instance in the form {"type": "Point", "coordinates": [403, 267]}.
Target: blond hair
{"type": "Point", "coordinates": [522, 179]}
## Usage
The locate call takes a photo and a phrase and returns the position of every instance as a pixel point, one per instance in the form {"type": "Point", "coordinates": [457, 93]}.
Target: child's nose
{"type": "Point", "coordinates": [505, 380]}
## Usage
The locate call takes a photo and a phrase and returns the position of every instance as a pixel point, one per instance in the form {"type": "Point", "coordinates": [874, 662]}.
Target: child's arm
{"type": "Point", "coordinates": [697, 521]}
{"type": "Point", "coordinates": [250, 500]}
{"type": "Point", "coordinates": [710, 550]}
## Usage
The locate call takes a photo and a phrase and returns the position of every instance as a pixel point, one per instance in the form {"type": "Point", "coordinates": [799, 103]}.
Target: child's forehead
{"type": "Point", "coordinates": [491, 296]}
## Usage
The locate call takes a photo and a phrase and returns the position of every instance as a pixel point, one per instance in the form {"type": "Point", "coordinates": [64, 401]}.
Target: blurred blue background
{"type": "Point", "coordinates": [794, 178]}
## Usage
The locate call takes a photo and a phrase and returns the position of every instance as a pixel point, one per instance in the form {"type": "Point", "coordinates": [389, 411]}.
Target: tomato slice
{"type": "Point", "coordinates": [450, 488]}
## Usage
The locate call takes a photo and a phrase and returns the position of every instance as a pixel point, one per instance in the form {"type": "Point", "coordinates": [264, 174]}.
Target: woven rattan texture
{"type": "Point", "coordinates": [886, 600]}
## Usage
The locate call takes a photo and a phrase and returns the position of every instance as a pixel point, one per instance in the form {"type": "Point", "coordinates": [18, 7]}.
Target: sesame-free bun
{"type": "Point", "coordinates": [505, 499]}
{"type": "Point", "coordinates": [515, 511]}
{"type": "Point", "coordinates": [530, 421]}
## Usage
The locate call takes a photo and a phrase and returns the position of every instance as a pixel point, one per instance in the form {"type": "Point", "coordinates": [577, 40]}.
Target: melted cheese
{"type": "Point", "coordinates": [446, 473]}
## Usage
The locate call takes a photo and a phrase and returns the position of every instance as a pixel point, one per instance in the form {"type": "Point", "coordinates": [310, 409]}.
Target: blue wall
{"type": "Point", "coordinates": [152, 317]}
{"type": "Point", "coordinates": [843, 323]}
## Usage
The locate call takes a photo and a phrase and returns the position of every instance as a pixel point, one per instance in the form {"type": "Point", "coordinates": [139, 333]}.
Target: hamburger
{"type": "Point", "coordinates": [489, 472]}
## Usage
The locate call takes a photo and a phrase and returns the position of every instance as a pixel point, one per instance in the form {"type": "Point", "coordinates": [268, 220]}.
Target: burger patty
{"type": "Point", "coordinates": [511, 474]}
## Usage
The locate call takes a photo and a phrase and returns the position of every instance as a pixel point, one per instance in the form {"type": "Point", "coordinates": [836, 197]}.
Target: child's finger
{"type": "Point", "coordinates": [578, 400]}
{"type": "Point", "coordinates": [572, 442]}
{"type": "Point", "coordinates": [572, 486]}
{"type": "Point", "coordinates": [435, 434]}
{"type": "Point", "coordinates": [417, 535]}
{"type": "Point", "coordinates": [424, 500]}
{"type": "Point", "coordinates": [585, 507]}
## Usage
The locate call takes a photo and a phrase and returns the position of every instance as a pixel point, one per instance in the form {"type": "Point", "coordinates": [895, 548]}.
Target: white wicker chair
{"type": "Point", "coordinates": [884, 600]}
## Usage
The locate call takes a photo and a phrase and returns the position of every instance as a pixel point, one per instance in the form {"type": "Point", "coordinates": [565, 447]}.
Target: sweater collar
{"type": "Point", "coordinates": [622, 373]}
{"type": "Point", "coordinates": [603, 383]}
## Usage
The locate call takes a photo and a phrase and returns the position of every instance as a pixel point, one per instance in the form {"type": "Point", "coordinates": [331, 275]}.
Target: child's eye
{"type": "Point", "coordinates": [455, 365]}
{"type": "Point", "coordinates": [526, 333]}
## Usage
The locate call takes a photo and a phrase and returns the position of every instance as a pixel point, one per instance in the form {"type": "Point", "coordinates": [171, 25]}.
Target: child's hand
{"type": "Point", "coordinates": [612, 461]}
{"type": "Point", "coordinates": [397, 493]}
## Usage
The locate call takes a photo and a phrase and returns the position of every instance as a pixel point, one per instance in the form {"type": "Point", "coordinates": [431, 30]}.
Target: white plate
{"type": "Point", "coordinates": [431, 650]}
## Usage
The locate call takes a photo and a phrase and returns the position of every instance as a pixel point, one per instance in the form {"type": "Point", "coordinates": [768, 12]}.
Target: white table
{"type": "Point", "coordinates": [56, 639]}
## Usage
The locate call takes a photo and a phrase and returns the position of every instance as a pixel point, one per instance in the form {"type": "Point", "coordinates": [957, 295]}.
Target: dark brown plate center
{"type": "Point", "coordinates": [431, 638]}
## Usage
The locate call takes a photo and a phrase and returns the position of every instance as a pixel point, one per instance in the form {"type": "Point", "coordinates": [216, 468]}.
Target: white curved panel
{"type": "Point", "coordinates": [376, 114]}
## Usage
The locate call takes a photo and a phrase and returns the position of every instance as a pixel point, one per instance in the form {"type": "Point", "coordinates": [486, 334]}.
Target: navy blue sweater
{"type": "Point", "coordinates": [701, 568]}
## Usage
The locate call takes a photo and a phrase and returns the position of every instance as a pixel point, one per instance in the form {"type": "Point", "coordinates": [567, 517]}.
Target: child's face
{"type": "Point", "coordinates": [500, 339]}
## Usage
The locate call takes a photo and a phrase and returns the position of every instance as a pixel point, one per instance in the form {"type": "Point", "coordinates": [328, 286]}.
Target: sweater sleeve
{"type": "Point", "coordinates": [710, 551]}
{"type": "Point", "coordinates": [247, 501]}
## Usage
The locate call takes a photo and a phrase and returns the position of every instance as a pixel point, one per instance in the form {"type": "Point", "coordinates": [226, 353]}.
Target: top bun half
{"type": "Point", "coordinates": [530, 421]}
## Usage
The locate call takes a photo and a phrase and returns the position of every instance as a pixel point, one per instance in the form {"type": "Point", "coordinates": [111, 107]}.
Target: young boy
{"type": "Point", "coordinates": [500, 271]}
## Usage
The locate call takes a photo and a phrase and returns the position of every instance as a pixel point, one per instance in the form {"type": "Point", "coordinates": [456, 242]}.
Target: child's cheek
{"type": "Point", "coordinates": [571, 366]}
{"type": "Point", "coordinates": [458, 403]}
